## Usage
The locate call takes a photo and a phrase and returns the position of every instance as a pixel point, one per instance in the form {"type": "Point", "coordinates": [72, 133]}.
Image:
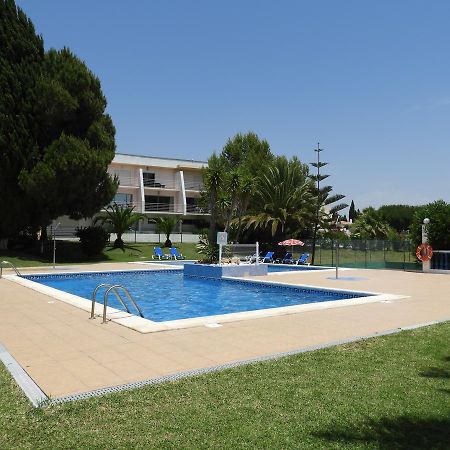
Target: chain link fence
{"type": "Point", "coordinates": [370, 254]}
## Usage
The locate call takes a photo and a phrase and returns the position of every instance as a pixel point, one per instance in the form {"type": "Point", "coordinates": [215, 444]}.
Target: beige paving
{"type": "Point", "coordinates": [66, 353]}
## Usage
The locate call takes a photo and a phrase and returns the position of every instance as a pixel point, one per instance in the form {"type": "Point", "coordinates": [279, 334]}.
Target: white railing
{"type": "Point", "coordinates": [193, 185]}
{"type": "Point", "coordinates": [164, 207]}
{"type": "Point", "coordinates": [161, 183]}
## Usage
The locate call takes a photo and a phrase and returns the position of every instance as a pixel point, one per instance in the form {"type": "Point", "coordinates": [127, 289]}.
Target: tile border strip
{"type": "Point", "coordinates": [24, 381]}
{"type": "Point", "coordinates": [186, 374]}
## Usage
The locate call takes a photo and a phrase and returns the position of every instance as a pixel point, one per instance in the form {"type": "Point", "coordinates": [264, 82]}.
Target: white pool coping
{"type": "Point", "coordinates": [143, 325]}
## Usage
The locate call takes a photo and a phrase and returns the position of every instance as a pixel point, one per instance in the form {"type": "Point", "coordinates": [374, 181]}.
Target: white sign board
{"type": "Point", "coordinates": [222, 238]}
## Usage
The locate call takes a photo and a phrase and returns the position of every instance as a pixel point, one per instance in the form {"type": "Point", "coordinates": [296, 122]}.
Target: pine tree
{"type": "Point", "coordinates": [21, 56]}
{"type": "Point", "coordinates": [55, 139]}
{"type": "Point", "coordinates": [323, 218]}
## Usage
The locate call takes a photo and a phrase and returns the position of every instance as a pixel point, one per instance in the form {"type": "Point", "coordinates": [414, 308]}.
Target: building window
{"type": "Point", "coordinates": [159, 203]}
{"type": "Point", "coordinates": [192, 205]}
{"type": "Point", "coordinates": [123, 199]}
{"type": "Point", "coordinates": [149, 179]}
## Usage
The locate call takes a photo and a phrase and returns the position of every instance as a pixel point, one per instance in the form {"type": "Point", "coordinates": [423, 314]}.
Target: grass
{"type": "Point", "coordinates": [390, 392]}
{"type": "Point", "coordinates": [69, 252]}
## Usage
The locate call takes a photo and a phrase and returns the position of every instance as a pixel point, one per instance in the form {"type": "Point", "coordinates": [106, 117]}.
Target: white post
{"type": "Point", "coordinates": [54, 245]}
{"type": "Point", "coordinates": [257, 252]}
{"type": "Point", "coordinates": [220, 254]}
{"type": "Point", "coordinates": [426, 265]}
{"type": "Point", "coordinates": [337, 260]}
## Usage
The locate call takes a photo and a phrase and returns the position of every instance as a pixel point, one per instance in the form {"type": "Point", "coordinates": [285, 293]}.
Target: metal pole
{"type": "Point", "coordinates": [54, 244]}
{"type": "Point", "coordinates": [257, 252]}
{"type": "Point", "coordinates": [337, 260]}
{"type": "Point", "coordinates": [54, 247]}
{"type": "Point", "coordinates": [220, 254]}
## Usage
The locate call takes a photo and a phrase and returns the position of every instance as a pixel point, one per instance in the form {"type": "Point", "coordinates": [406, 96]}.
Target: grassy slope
{"type": "Point", "coordinates": [70, 252]}
{"type": "Point", "coordinates": [388, 392]}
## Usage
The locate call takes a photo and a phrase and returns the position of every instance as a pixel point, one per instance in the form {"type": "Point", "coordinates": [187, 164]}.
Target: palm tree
{"type": "Point", "coordinates": [282, 198]}
{"type": "Point", "coordinates": [166, 225]}
{"type": "Point", "coordinates": [120, 218]}
{"type": "Point", "coordinates": [213, 177]}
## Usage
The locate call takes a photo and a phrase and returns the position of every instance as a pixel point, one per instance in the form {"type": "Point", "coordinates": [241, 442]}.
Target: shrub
{"type": "Point", "coordinates": [93, 239]}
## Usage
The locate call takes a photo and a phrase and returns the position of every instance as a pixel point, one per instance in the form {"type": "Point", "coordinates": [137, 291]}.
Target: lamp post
{"type": "Point", "coordinates": [426, 221]}
{"type": "Point", "coordinates": [426, 265]}
{"type": "Point", "coordinates": [54, 244]}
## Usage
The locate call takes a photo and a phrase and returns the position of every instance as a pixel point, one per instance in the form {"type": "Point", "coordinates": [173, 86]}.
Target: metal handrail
{"type": "Point", "coordinates": [12, 265]}
{"type": "Point", "coordinates": [94, 295]}
{"type": "Point", "coordinates": [115, 289]}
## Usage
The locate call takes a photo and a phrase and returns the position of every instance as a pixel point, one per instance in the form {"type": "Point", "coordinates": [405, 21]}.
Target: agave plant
{"type": "Point", "coordinates": [120, 219]}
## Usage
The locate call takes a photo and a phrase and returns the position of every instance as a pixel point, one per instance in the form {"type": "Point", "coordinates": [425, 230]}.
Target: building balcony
{"type": "Point", "coordinates": [195, 186]}
{"type": "Point", "coordinates": [164, 208]}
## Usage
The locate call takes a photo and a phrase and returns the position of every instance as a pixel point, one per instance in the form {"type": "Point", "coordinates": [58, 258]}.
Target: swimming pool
{"type": "Point", "coordinates": [166, 295]}
{"type": "Point", "coordinates": [271, 267]}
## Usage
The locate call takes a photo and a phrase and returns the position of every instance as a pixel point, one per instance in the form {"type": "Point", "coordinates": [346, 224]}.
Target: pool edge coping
{"type": "Point", "coordinates": [144, 326]}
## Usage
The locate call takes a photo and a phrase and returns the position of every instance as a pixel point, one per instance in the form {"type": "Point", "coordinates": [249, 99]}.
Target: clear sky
{"type": "Point", "coordinates": [370, 80]}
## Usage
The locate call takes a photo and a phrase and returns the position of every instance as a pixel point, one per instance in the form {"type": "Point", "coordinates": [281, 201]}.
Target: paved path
{"type": "Point", "coordinates": [66, 353]}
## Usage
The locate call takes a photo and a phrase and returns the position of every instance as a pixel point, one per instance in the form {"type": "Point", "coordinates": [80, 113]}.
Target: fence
{"type": "Point", "coordinates": [440, 260]}
{"type": "Point", "coordinates": [371, 254]}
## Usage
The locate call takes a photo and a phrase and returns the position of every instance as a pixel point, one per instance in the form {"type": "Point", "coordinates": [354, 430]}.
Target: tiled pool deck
{"type": "Point", "coordinates": [65, 353]}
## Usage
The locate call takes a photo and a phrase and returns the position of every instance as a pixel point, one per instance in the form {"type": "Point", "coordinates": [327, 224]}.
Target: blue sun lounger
{"type": "Point", "coordinates": [158, 254]}
{"type": "Point", "coordinates": [287, 259]}
{"type": "Point", "coordinates": [268, 258]}
{"type": "Point", "coordinates": [303, 259]}
{"type": "Point", "coordinates": [175, 255]}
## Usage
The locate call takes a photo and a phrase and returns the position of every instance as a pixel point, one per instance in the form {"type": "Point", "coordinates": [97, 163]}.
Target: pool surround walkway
{"type": "Point", "coordinates": [67, 354]}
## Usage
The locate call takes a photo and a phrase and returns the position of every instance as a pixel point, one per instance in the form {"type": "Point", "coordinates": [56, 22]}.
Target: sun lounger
{"type": "Point", "coordinates": [159, 254]}
{"type": "Point", "coordinates": [268, 258]}
{"type": "Point", "coordinates": [175, 255]}
{"type": "Point", "coordinates": [303, 259]}
{"type": "Point", "coordinates": [287, 259]}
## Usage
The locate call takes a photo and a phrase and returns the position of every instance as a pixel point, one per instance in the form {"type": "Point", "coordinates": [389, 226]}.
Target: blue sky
{"type": "Point", "coordinates": [369, 80]}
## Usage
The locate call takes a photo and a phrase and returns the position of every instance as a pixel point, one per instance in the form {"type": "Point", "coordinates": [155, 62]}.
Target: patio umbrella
{"type": "Point", "coordinates": [291, 242]}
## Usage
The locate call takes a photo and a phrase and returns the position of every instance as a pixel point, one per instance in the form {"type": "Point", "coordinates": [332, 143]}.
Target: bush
{"type": "Point", "coordinates": [92, 239]}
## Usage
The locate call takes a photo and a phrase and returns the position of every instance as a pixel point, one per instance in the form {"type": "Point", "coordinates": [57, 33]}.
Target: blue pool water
{"type": "Point", "coordinates": [168, 295]}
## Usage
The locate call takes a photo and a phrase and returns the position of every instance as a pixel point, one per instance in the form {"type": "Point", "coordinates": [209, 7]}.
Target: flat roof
{"type": "Point", "coordinates": [157, 161]}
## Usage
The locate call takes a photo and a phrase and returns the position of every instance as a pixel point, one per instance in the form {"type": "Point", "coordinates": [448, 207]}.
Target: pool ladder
{"type": "Point", "coordinates": [114, 288]}
{"type": "Point", "coordinates": [4, 263]}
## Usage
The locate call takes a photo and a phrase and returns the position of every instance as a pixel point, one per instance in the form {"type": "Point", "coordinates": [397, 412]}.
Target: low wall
{"type": "Point", "coordinates": [216, 271]}
{"type": "Point", "coordinates": [154, 237]}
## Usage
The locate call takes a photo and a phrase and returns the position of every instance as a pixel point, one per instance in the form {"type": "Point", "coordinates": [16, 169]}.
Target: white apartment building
{"type": "Point", "coordinates": [155, 187]}
{"type": "Point", "coordinates": [160, 187]}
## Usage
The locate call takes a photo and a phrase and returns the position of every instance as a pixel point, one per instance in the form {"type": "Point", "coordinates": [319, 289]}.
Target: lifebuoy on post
{"type": "Point", "coordinates": [424, 252]}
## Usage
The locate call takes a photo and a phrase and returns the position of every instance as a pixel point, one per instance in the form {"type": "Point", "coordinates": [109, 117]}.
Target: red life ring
{"type": "Point", "coordinates": [424, 252]}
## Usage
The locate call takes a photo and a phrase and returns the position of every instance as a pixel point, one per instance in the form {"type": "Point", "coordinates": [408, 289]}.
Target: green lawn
{"type": "Point", "coordinates": [390, 392]}
{"type": "Point", "coordinates": [68, 252]}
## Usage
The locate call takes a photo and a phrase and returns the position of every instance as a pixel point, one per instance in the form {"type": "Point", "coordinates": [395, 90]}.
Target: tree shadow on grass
{"type": "Point", "coordinates": [401, 433]}
{"type": "Point", "coordinates": [437, 372]}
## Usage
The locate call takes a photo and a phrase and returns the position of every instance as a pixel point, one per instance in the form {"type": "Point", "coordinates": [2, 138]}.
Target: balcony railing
{"type": "Point", "coordinates": [161, 184]}
{"type": "Point", "coordinates": [193, 186]}
{"type": "Point", "coordinates": [176, 208]}
{"type": "Point", "coordinates": [127, 181]}
{"type": "Point", "coordinates": [164, 207]}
